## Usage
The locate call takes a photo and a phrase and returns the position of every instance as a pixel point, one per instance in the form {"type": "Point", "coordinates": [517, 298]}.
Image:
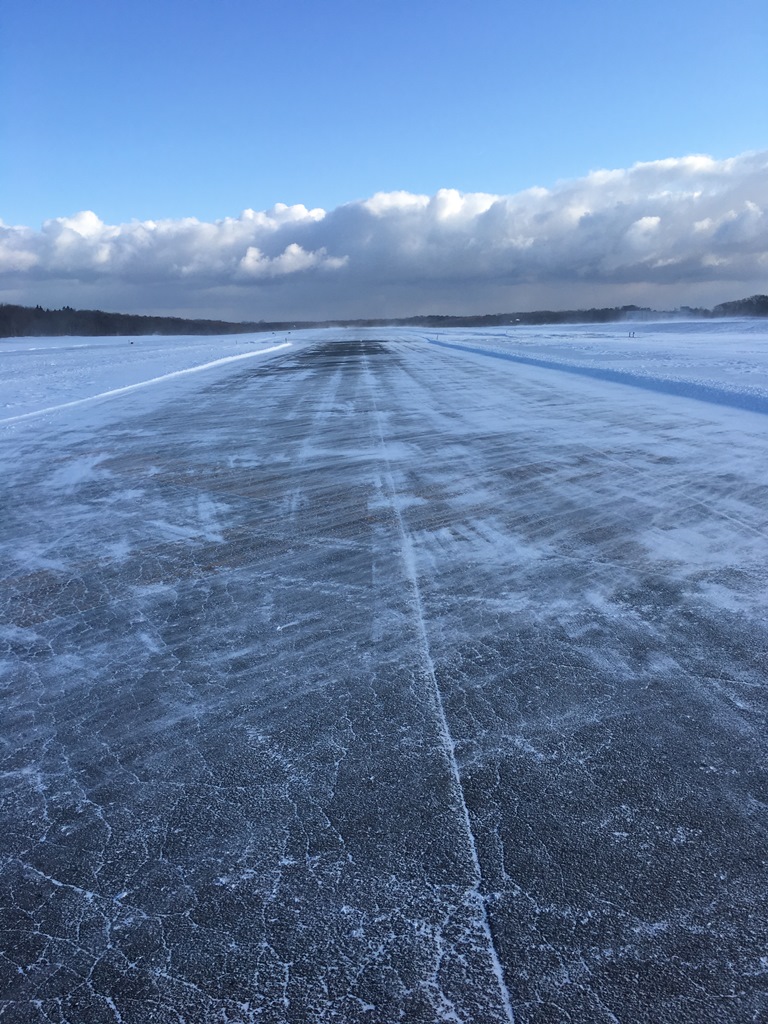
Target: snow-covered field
{"type": "Point", "coordinates": [385, 675]}
{"type": "Point", "coordinates": [41, 374]}
{"type": "Point", "coordinates": [721, 361]}
{"type": "Point", "coordinates": [732, 355]}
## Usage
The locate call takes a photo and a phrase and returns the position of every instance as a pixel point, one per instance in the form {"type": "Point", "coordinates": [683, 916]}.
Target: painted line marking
{"type": "Point", "coordinates": [144, 383]}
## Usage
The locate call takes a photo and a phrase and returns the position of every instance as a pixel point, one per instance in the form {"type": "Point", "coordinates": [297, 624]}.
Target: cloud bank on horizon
{"type": "Point", "coordinates": [688, 230]}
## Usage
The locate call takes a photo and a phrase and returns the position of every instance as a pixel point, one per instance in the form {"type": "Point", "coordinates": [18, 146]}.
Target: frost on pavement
{"type": "Point", "coordinates": [370, 680]}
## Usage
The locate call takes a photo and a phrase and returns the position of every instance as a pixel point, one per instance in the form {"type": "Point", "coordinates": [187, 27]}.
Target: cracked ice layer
{"type": "Point", "coordinates": [374, 681]}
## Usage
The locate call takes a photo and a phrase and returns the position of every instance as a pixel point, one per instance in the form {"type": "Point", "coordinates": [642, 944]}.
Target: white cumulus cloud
{"type": "Point", "coordinates": [290, 261]}
{"type": "Point", "coordinates": [676, 229]}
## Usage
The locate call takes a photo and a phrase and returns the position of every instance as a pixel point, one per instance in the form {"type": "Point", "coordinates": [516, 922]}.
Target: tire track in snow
{"type": "Point", "coordinates": [409, 562]}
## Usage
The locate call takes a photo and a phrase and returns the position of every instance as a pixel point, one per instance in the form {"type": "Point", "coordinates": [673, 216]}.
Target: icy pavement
{"type": "Point", "coordinates": [370, 680]}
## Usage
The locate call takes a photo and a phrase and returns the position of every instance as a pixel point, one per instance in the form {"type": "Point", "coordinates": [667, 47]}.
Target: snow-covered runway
{"type": "Point", "coordinates": [372, 680]}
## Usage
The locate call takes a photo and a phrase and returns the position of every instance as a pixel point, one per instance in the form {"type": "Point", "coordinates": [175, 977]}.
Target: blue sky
{"type": "Point", "coordinates": [200, 108]}
{"type": "Point", "coordinates": [171, 110]}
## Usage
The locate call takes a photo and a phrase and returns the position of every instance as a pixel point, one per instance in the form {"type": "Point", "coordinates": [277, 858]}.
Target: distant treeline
{"type": "Point", "coordinates": [36, 322]}
{"type": "Point", "coordinates": [26, 321]}
{"type": "Point", "coordinates": [755, 305]}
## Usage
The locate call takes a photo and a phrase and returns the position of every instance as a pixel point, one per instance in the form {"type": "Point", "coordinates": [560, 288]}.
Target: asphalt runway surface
{"type": "Point", "coordinates": [377, 682]}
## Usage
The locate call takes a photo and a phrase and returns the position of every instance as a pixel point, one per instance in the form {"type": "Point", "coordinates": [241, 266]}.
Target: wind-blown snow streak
{"type": "Point", "coordinates": [409, 564]}
{"type": "Point", "coordinates": [145, 383]}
